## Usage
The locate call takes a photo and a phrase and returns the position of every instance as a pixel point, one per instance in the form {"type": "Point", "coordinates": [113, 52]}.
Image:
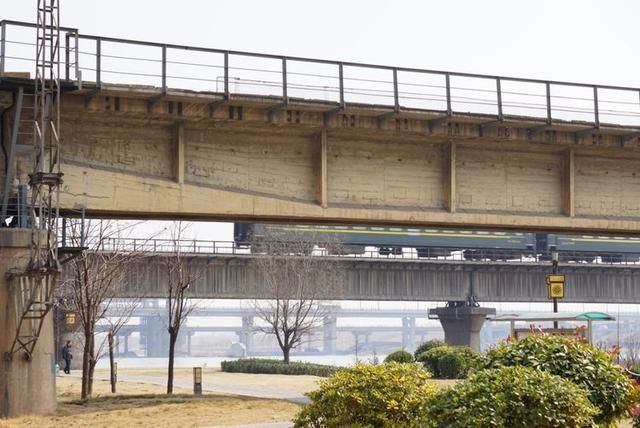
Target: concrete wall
{"type": "Point", "coordinates": [228, 277]}
{"type": "Point", "coordinates": [181, 158]}
{"type": "Point", "coordinates": [26, 387]}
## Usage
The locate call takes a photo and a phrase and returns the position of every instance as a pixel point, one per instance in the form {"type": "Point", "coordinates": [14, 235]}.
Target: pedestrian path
{"type": "Point", "coordinates": [273, 392]}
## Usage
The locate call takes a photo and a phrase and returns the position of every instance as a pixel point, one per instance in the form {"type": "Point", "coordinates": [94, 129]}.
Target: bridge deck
{"type": "Point", "coordinates": [158, 130]}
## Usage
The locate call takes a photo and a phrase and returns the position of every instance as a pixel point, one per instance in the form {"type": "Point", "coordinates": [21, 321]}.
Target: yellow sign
{"type": "Point", "coordinates": [70, 318]}
{"type": "Point", "coordinates": [556, 290]}
{"type": "Point", "coordinates": [555, 278]}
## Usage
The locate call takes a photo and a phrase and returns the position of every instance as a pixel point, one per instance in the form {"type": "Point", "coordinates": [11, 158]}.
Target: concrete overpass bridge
{"type": "Point", "coordinates": [159, 130]}
{"type": "Point", "coordinates": [234, 277]}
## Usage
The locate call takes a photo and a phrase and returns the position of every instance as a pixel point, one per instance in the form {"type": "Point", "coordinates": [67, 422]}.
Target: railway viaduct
{"type": "Point", "coordinates": [276, 138]}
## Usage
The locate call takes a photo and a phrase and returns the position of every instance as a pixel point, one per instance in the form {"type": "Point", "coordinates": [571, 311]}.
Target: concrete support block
{"type": "Point", "coordinates": [330, 333]}
{"type": "Point", "coordinates": [462, 324]}
{"type": "Point", "coordinates": [246, 335]}
{"type": "Point", "coordinates": [408, 333]}
{"type": "Point", "coordinates": [26, 387]}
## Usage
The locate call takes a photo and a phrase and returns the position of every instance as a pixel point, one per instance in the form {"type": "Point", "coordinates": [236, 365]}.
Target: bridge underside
{"type": "Point", "coordinates": [235, 278]}
{"type": "Point", "coordinates": [190, 155]}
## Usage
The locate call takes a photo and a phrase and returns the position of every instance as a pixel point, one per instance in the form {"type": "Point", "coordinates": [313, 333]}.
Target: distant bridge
{"type": "Point", "coordinates": [234, 277]}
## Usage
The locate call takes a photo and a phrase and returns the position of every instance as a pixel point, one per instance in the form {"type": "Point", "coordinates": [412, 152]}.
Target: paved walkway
{"type": "Point", "coordinates": [221, 388]}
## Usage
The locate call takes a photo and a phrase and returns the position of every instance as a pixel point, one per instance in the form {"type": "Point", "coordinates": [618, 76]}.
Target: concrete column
{"type": "Point", "coordinates": [179, 153]}
{"type": "Point", "coordinates": [26, 387]}
{"type": "Point", "coordinates": [568, 183]}
{"type": "Point", "coordinates": [330, 330]}
{"type": "Point", "coordinates": [322, 170]}
{"type": "Point", "coordinates": [462, 324]}
{"type": "Point", "coordinates": [408, 333]}
{"type": "Point", "coordinates": [449, 178]}
{"type": "Point", "coordinates": [189, 336]}
{"type": "Point", "coordinates": [246, 335]}
{"type": "Point", "coordinates": [154, 337]}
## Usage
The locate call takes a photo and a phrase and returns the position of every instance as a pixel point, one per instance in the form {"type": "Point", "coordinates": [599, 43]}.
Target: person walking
{"type": "Point", "coordinates": [67, 356]}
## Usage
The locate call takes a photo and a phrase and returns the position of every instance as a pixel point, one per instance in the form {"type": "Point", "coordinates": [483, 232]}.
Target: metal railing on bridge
{"type": "Point", "coordinates": [423, 254]}
{"type": "Point", "coordinates": [223, 74]}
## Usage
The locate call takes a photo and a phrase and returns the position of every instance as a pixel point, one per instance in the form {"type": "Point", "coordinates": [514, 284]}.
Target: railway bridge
{"type": "Point", "coordinates": [157, 130]}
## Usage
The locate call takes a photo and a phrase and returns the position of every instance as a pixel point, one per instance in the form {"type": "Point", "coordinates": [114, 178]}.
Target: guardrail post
{"type": "Point", "coordinates": [284, 81]}
{"type": "Point", "coordinates": [548, 94]}
{"type": "Point", "coordinates": [67, 56]}
{"type": "Point", "coordinates": [98, 63]}
{"type": "Point", "coordinates": [3, 42]}
{"type": "Point", "coordinates": [226, 75]}
{"type": "Point", "coordinates": [164, 69]}
{"type": "Point", "coordinates": [77, 60]}
{"type": "Point", "coordinates": [447, 80]}
{"type": "Point", "coordinates": [396, 96]}
{"type": "Point", "coordinates": [341, 84]}
{"type": "Point", "coordinates": [499, 99]}
{"type": "Point", "coordinates": [596, 113]}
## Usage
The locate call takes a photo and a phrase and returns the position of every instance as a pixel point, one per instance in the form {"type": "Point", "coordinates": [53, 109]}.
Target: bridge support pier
{"type": "Point", "coordinates": [408, 333]}
{"type": "Point", "coordinates": [154, 337]}
{"type": "Point", "coordinates": [26, 387]}
{"type": "Point", "coordinates": [462, 323]}
{"type": "Point", "coordinates": [246, 335]}
{"type": "Point", "coordinates": [330, 333]}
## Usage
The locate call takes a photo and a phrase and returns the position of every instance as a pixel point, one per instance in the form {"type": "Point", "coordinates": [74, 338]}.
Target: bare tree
{"type": "Point", "coordinates": [95, 277]}
{"type": "Point", "coordinates": [120, 312]}
{"type": "Point", "coordinates": [181, 275]}
{"type": "Point", "coordinates": [296, 269]}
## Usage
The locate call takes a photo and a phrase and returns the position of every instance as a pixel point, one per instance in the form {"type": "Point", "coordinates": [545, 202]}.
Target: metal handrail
{"type": "Point", "coordinates": [395, 94]}
{"type": "Point", "coordinates": [157, 246]}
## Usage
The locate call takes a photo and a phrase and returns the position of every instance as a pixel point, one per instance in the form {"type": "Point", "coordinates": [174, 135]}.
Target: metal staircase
{"type": "Point", "coordinates": [33, 288]}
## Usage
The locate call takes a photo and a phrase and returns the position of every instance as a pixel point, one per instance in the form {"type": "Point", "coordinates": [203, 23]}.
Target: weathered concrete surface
{"type": "Point", "coordinates": [235, 277]}
{"type": "Point", "coordinates": [26, 387]}
{"type": "Point", "coordinates": [178, 157]}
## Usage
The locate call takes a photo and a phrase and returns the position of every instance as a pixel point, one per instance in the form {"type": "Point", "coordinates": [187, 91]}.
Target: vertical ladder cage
{"type": "Point", "coordinates": [33, 288]}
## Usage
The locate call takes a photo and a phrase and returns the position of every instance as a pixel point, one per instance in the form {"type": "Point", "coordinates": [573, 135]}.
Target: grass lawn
{"type": "Point", "coordinates": [145, 405]}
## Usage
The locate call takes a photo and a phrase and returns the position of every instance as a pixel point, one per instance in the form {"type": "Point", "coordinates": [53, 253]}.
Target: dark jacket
{"type": "Point", "coordinates": [66, 352]}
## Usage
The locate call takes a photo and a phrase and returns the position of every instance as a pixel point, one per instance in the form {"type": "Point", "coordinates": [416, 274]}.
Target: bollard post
{"type": "Point", "coordinates": [197, 381]}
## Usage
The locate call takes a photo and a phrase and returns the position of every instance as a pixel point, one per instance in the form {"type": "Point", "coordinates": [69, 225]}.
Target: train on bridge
{"type": "Point", "coordinates": [470, 245]}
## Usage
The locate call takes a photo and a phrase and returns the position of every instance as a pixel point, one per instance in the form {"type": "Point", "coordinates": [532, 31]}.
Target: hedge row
{"type": "Point", "coordinates": [268, 366]}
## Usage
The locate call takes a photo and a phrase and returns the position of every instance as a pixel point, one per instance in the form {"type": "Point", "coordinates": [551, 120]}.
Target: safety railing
{"type": "Point", "coordinates": [426, 254]}
{"type": "Point", "coordinates": [161, 66]}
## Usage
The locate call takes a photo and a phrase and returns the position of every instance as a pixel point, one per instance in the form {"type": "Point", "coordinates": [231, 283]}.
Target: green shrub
{"type": "Point", "coordinates": [400, 356]}
{"type": "Point", "coordinates": [268, 366]}
{"type": "Point", "coordinates": [512, 397]}
{"type": "Point", "coordinates": [425, 346]}
{"type": "Point", "coordinates": [448, 362]}
{"type": "Point", "coordinates": [608, 388]}
{"type": "Point", "coordinates": [386, 395]}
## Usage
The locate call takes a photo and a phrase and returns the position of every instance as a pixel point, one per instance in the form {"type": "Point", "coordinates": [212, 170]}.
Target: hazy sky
{"type": "Point", "coordinates": [587, 41]}
{"type": "Point", "coordinates": [576, 40]}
